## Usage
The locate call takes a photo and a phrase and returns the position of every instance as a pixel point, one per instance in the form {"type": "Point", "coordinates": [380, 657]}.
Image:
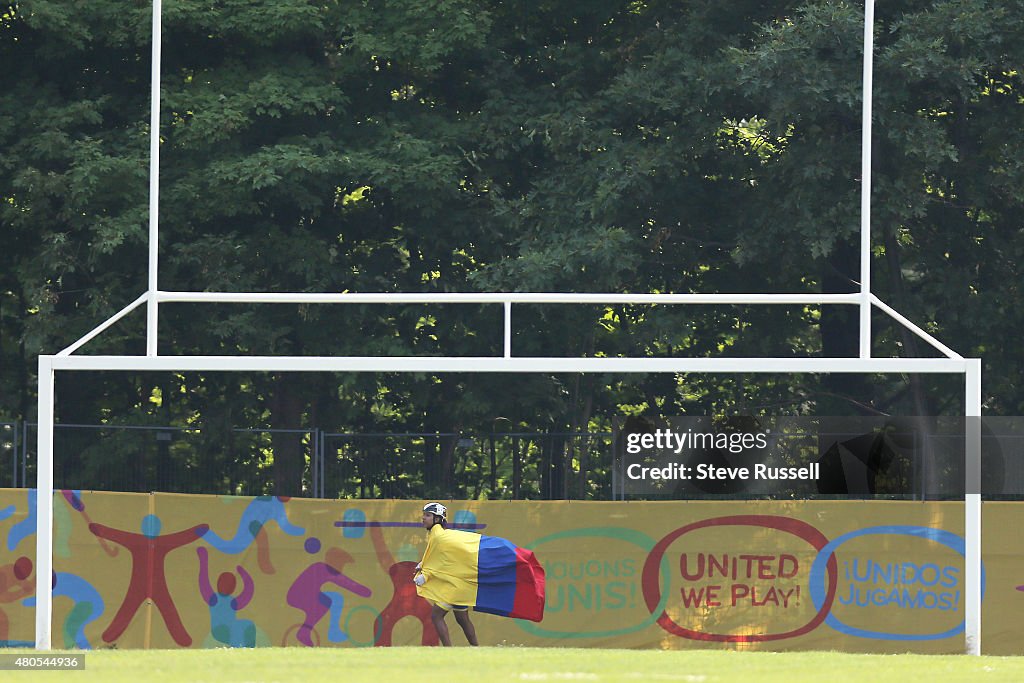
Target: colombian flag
{"type": "Point", "coordinates": [486, 573]}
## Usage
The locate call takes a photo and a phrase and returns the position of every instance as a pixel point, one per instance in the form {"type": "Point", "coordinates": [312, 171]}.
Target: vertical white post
{"type": "Point", "coordinates": [152, 308]}
{"type": "Point", "coordinates": [865, 182]}
{"type": "Point", "coordinates": [972, 507]}
{"type": "Point", "coordinates": [508, 329]}
{"type": "Point", "coordinates": [44, 505]}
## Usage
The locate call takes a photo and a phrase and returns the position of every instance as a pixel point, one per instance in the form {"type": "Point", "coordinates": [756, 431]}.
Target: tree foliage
{"type": "Point", "coordinates": [406, 146]}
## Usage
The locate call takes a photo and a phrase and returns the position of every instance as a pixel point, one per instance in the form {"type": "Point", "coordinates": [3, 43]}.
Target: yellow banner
{"type": "Point", "coordinates": [165, 571]}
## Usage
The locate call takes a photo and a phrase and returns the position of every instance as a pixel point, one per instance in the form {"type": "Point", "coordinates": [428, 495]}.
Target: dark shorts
{"type": "Point", "coordinates": [449, 608]}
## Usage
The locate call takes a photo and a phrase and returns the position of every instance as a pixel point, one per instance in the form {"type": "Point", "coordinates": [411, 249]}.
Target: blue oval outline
{"type": "Point", "coordinates": [817, 575]}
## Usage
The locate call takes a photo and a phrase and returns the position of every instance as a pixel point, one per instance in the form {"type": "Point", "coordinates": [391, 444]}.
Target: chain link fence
{"type": "Point", "coordinates": [232, 461]}
{"type": "Point", "coordinates": [146, 458]}
{"type": "Point", "coordinates": [495, 466]}
{"type": "Point", "coordinates": [492, 465]}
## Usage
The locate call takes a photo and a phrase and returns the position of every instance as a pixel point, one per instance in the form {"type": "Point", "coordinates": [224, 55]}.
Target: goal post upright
{"type": "Point", "coordinates": [865, 180]}
{"type": "Point", "coordinates": [973, 573]}
{"type": "Point", "coordinates": [44, 504]}
{"type": "Point", "coordinates": [152, 305]}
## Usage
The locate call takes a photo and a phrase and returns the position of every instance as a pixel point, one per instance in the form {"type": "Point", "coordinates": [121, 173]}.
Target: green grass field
{"type": "Point", "coordinates": [487, 664]}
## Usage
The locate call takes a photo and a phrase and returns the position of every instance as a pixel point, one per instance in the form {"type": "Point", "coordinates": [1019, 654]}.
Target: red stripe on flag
{"type": "Point", "coordinates": [529, 599]}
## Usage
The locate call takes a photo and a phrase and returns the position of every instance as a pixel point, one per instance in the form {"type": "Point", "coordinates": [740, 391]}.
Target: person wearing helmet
{"type": "Point", "coordinates": [435, 521]}
{"type": "Point", "coordinates": [435, 513]}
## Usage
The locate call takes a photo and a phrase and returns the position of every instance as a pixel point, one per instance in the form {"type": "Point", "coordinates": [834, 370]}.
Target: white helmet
{"type": "Point", "coordinates": [436, 509]}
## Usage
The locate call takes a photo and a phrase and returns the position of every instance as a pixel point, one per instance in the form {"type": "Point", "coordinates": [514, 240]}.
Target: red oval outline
{"type": "Point", "coordinates": [802, 530]}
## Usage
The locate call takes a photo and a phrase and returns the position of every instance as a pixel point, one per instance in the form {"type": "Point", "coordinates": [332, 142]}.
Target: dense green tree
{"type": "Point", "coordinates": [399, 145]}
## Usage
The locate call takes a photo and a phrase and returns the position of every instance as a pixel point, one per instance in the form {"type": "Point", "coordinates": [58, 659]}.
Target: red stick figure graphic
{"type": "Point", "coordinates": [149, 550]}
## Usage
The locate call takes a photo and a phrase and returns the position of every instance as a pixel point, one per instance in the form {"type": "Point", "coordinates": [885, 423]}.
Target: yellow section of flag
{"type": "Point", "coordinates": [450, 565]}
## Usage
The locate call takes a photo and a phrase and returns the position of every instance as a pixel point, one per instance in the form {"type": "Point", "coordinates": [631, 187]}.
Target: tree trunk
{"type": "Point", "coordinates": [24, 396]}
{"type": "Point", "coordinates": [448, 445]}
{"type": "Point", "coordinates": [286, 406]}
{"type": "Point", "coordinates": [926, 475]}
{"type": "Point", "coordinates": [840, 337]}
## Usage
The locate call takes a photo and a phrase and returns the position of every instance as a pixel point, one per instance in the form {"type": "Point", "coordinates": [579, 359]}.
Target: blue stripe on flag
{"type": "Point", "coordinates": [496, 576]}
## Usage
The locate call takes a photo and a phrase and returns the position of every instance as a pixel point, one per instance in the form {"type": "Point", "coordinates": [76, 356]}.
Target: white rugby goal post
{"type": "Point", "coordinates": [950, 362]}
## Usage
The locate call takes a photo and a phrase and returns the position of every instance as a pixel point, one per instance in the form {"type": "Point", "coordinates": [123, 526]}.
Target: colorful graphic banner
{"type": "Point", "coordinates": [165, 571]}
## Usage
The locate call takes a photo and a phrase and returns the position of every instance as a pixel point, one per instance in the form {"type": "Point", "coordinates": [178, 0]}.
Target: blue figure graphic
{"type": "Point", "coordinates": [464, 519]}
{"type": "Point", "coordinates": [260, 511]}
{"type": "Point", "coordinates": [334, 632]}
{"type": "Point", "coordinates": [25, 527]}
{"type": "Point", "coordinates": [353, 516]}
{"type": "Point", "coordinates": [87, 607]}
{"type": "Point", "coordinates": [225, 626]}
{"type": "Point", "coordinates": [250, 530]}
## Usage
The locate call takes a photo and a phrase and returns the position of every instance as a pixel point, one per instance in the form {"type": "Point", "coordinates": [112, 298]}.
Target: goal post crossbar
{"type": "Point", "coordinates": [507, 299]}
{"type": "Point", "coordinates": [497, 364]}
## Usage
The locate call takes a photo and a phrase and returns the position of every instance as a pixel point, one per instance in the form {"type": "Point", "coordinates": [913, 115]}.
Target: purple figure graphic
{"type": "Point", "coordinates": [73, 497]}
{"type": "Point", "coordinates": [306, 596]}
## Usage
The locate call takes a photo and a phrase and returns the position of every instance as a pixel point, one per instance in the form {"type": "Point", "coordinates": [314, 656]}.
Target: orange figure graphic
{"type": "Point", "coordinates": [14, 585]}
